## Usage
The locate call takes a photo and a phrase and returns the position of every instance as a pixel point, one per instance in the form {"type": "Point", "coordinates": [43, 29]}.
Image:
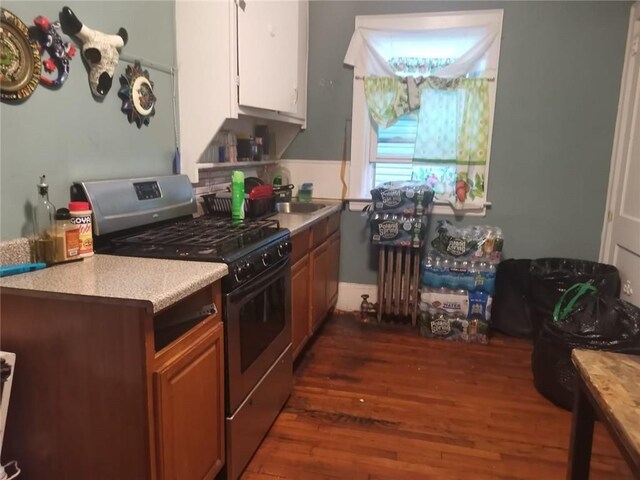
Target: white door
{"type": "Point", "coordinates": [621, 236]}
{"type": "Point", "coordinates": [268, 54]}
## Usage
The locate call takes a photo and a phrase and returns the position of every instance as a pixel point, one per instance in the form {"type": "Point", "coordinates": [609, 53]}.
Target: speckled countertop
{"type": "Point", "coordinates": [298, 221]}
{"type": "Point", "coordinates": [136, 281]}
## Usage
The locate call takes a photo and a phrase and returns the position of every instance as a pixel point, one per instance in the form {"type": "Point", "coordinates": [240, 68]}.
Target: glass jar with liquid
{"type": "Point", "coordinates": [44, 221]}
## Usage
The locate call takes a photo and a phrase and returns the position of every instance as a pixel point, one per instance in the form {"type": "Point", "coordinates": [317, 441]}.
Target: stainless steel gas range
{"type": "Point", "coordinates": [153, 217]}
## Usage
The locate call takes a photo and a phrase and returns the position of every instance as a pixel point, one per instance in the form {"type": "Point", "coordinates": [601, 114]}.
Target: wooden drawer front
{"type": "Point", "coordinates": [171, 336]}
{"type": "Point", "coordinates": [319, 232]}
{"type": "Point", "coordinates": [300, 245]}
{"type": "Point", "coordinates": [333, 223]}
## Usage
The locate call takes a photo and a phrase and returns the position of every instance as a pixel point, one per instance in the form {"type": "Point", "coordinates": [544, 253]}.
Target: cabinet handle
{"type": "Point", "coordinates": [295, 95]}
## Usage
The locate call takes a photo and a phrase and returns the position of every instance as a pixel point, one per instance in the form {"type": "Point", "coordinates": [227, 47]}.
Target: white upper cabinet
{"type": "Point", "coordinates": [267, 54]}
{"type": "Point", "coordinates": [239, 59]}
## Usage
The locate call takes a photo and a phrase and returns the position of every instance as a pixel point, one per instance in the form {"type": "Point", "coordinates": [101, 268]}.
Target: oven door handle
{"type": "Point", "coordinates": [264, 279]}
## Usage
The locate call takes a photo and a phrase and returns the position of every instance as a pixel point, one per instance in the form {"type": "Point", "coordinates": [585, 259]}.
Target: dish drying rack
{"type": "Point", "coordinates": [219, 204]}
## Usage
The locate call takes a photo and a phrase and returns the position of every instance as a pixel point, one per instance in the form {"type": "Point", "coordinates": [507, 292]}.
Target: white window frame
{"type": "Point", "coordinates": [363, 134]}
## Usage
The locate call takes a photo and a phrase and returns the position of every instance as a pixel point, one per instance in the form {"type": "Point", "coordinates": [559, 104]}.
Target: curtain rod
{"type": "Point", "coordinates": [435, 202]}
{"type": "Point", "coordinates": [489, 79]}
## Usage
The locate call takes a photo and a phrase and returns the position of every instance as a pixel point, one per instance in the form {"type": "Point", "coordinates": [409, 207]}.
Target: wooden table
{"type": "Point", "coordinates": [609, 388]}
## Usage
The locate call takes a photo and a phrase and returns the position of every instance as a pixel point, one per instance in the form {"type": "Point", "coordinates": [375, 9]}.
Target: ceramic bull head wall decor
{"type": "Point", "coordinates": [101, 50]}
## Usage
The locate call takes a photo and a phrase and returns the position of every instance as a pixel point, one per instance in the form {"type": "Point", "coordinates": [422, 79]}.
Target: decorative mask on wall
{"type": "Point", "coordinates": [56, 66]}
{"type": "Point", "coordinates": [136, 92]}
{"type": "Point", "coordinates": [99, 49]}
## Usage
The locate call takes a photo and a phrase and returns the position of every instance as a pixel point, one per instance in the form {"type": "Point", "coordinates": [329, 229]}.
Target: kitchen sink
{"type": "Point", "coordinates": [298, 207]}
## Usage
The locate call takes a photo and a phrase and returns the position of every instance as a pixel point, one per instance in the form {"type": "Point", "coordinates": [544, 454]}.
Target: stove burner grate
{"type": "Point", "coordinates": [214, 236]}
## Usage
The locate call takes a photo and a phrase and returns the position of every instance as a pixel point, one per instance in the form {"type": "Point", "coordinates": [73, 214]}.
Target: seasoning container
{"type": "Point", "coordinates": [44, 221]}
{"type": "Point", "coordinates": [81, 218]}
{"type": "Point", "coordinates": [262, 133]}
{"type": "Point", "coordinates": [67, 238]}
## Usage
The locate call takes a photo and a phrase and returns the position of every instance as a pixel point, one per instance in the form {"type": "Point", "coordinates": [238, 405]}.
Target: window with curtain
{"type": "Point", "coordinates": [428, 91]}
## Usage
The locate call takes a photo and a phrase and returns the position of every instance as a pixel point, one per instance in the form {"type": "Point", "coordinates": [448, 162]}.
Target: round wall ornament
{"type": "Point", "coordinates": [19, 59]}
{"type": "Point", "coordinates": [136, 92]}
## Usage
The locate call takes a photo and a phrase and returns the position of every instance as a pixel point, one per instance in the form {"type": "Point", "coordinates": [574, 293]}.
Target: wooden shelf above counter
{"type": "Point", "coordinates": [232, 165]}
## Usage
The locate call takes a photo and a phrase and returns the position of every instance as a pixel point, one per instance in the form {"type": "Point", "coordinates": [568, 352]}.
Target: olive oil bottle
{"type": "Point", "coordinates": [44, 223]}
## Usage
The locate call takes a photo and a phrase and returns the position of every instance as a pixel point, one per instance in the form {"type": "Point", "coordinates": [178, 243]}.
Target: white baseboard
{"type": "Point", "coordinates": [349, 295]}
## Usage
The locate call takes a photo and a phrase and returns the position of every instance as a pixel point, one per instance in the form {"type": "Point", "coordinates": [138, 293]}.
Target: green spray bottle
{"type": "Point", "coordinates": [237, 195]}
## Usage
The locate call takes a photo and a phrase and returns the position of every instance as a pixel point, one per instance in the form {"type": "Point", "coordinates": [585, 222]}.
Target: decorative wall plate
{"type": "Point", "coordinates": [19, 59]}
{"type": "Point", "coordinates": [136, 92]}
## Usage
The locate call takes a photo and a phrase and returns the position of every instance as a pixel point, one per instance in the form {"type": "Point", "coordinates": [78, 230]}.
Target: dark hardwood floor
{"type": "Point", "coordinates": [381, 402]}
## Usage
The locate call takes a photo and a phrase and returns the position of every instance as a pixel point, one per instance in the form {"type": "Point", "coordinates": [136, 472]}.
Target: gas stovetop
{"type": "Point", "coordinates": [206, 238]}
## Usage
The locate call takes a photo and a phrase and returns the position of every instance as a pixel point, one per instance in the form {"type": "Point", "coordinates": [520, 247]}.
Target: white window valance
{"type": "Point", "coordinates": [371, 48]}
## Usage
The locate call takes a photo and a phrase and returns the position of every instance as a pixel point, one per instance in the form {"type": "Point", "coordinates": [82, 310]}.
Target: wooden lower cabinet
{"type": "Point", "coordinates": [319, 277]}
{"type": "Point", "coordinates": [314, 277]}
{"type": "Point", "coordinates": [189, 400]}
{"type": "Point", "coordinates": [109, 389]}
{"type": "Point", "coordinates": [300, 304]}
{"type": "Point", "coordinates": [333, 274]}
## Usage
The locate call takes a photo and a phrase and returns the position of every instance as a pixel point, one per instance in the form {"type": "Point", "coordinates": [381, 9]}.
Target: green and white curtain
{"type": "Point", "coordinates": [453, 130]}
{"type": "Point", "coordinates": [453, 116]}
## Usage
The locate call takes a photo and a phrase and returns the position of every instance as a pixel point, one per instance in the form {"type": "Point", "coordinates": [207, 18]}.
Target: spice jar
{"type": "Point", "coordinates": [67, 238]}
{"type": "Point", "coordinates": [81, 218]}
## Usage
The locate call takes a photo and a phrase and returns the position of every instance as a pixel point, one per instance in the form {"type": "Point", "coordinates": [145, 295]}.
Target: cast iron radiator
{"type": "Point", "coordinates": [398, 281]}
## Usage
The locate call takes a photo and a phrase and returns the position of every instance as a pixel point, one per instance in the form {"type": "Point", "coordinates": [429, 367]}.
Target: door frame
{"type": "Point", "coordinates": [620, 144]}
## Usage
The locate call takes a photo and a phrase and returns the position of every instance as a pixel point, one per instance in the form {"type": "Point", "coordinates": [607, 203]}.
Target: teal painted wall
{"type": "Point", "coordinates": [68, 135]}
{"type": "Point", "coordinates": [557, 97]}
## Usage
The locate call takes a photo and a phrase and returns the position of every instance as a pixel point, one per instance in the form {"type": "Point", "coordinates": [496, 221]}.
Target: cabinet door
{"type": "Point", "coordinates": [319, 272]}
{"type": "Point", "coordinates": [333, 274]}
{"type": "Point", "coordinates": [268, 54]}
{"type": "Point", "coordinates": [189, 396]}
{"type": "Point", "coordinates": [300, 304]}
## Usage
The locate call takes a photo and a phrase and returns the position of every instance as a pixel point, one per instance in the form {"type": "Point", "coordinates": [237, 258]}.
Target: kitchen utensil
{"type": "Point", "coordinates": [251, 182]}
{"type": "Point", "coordinates": [247, 149]}
{"type": "Point", "coordinates": [8, 270]}
{"type": "Point", "coordinates": [261, 191]}
{"type": "Point", "coordinates": [283, 193]}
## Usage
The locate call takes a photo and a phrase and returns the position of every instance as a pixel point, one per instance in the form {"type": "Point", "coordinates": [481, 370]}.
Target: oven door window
{"type": "Point", "coordinates": [261, 319]}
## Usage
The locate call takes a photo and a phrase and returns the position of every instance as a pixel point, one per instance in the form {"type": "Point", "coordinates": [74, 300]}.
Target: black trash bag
{"type": "Point", "coordinates": [551, 277]}
{"type": "Point", "coordinates": [595, 322]}
{"type": "Point", "coordinates": [510, 311]}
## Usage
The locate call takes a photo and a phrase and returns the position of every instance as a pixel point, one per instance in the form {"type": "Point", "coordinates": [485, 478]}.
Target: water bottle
{"type": "Point", "coordinates": [463, 281]}
{"type": "Point", "coordinates": [480, 277]}
{"type": "Point", "coordinates": [427, 271]}
{"type": "Point", "coordinates": [436, 277]}
{"type": "Point", "coordinates": [446, 272]}
{"type": "Point", "coordinates": [454, 275]}
{"type": "Point", "coordinates": [490, 279]}
{"type": "Point", "coordinates": [472, 276]}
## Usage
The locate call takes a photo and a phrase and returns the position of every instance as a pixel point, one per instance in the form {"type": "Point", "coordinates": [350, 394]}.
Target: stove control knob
{"type": "Point", "coordinates": [239, 273]}
{"type": "Point", "coordinates": [267, 258]}
{"type": "Point", "coordinates": [249, 269]}
{"type": "Point", "coordinates": [284, 249]}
